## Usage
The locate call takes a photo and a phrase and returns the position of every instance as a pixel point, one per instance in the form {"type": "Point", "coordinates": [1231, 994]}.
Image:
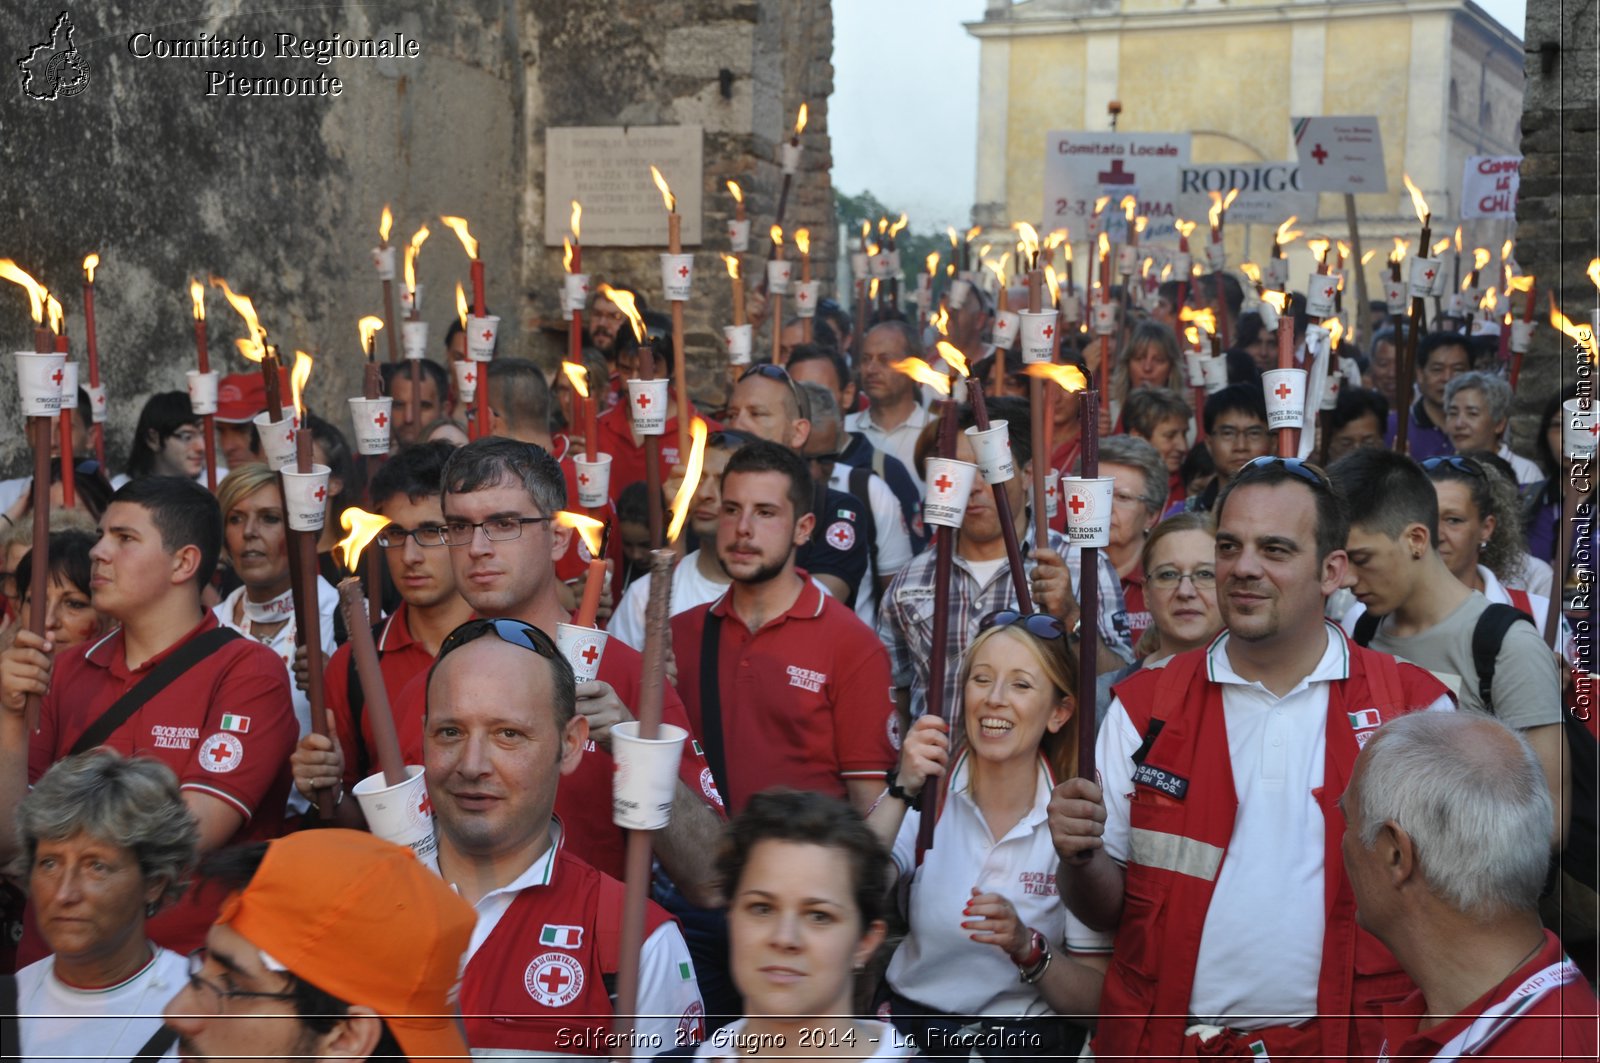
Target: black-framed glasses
{"type": "Point", "coordinates": [1040, 625]}
{"type": "Point", "coordinates": [774, 372]}
{"type": "Point", "coordinates": [1468, 466]}
{"type": "Point", "coordinates": [222, 994]}
{"type": "Point", "coordinates": [495, 529]}
{"type": "Point", "coordinates": [516, 632]}
{"type": "Point", "coordinates": [1170, 579]}
{"type": "Point", "coordinates": [394, 537]}
{"type": "Point", "coordinates": [1303, 470]}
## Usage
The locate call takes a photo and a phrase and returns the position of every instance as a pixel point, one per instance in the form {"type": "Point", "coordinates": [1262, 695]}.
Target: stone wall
{"type": "Point", "coordinates": [282, 195]}
{"type": "Point", "coordinates": [1556, 211]}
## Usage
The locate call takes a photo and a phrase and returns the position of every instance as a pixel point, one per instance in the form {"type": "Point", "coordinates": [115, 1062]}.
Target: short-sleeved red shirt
{"type": "Point", "coordinates": [226, 728]}
{"type": "Point", "coordinates": [807, 700]}
{"type": "Point", "coordinates": [583, 800]}
{"type": "Point", "coordinates": [401, 659]}
{"type": "Point", "coordinates": [614, 432]}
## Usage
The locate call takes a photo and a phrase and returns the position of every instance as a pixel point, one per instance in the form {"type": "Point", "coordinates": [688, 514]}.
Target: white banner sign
{"type": "Point", "coordinates": [1489, 186]}
{"type": "Point", "coordinates": [1080, 167]}
{"type": "Point", "coordinates": [1269, 192]}
{"type": "Point", "coordinates": [1340, 153]}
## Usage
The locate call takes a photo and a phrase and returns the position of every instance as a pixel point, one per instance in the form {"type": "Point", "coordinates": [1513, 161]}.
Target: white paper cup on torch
{"type": "Point", "coordinates": [306, 497]}
{"type": "Point", "coordinates": [1522, 336]}
{"type": "Point", "coordinates": [1268, 315]}
{"type": "Point", "coordinates": [1007, 323]}
{"type": "Point", "coordinates": [647, 405]}
{"type": "Point", "coordinates": [1216, 255]}
{"type": "Point", "coordinates": [411, 300]}
{"type": "Point", "coordinates": [1285, 392]}
{"type": "Point", "coordinates": [202, 391]}
{"type": "Point", "coordinates": [466, 380]}
{"type": "Point", "coordinates": [646, 775]}
{"type": "Point", "coordinates": [481, 332]}
{"type": "Point", "coordinates": [1394, 296]}
{"type": "Point", "coordinates": [993, 448]}
{"type": "Point", "coordinates": [1423, 273]}
{"type": "Point", "coordinates": [1088, 503]}
{"type": "Point", "coordinates": [1038, 336]}
{"type": "Point", "coordinates": [677, 277]}
{"type": "Point", "coordinates": [1320, 289]}
{"type": "Point", "coordinates": [1052, 493]}
{"type": "Point", "coordinates": [39, 379]}
{"type": "Point", "coordinates": [1214, 373]}
{"type": "Point", "coordinates": [371, 419]}
{"type": "Point", "coordinates": [949, 484]}
{"type": "Point", "coordinates": [1454, 305]}
{"type": "Point", "coordinates": [99, 404]}
{"type": "Point", "coordinates": [1127, 260]}
{"type": "Point", "coordinates": [806, 294]}
{"type": "Point", "coordinates": [400, 813]}
{"type": "Point", "coordinates": [1071, 306]}
{"type": "Point", "coordinates": [779, 270]}
{"type": "Point", "coordinates": [1579, 429]}
{"type": "Point", "coordinates": [739, 235]}
{"type": "Point", "coordinates": [69, 385]}
{"type": "Point", "coordinates": [1330, 391]}
{"type": "Point", "coordinates": [594, 480]}
{"type": "Point", "coordinates": [1194, 367]}
{"type": "Point", "coordinates": [414, 339]}
{"type": "Point", "coordinates": [860, 265]}
{"type": "Point", "coordinates": [582, 647]}
{"type": "Point", "coordinates": [277, 440]}
{"type": "Point", "coordinates": [789, 157]}
{"type": "Point", "coordinates": [383, 262]}
{"type": "Point", "coordinates": [1276, 275]}
{"type": "Point", "coordinates": [956, 296]}
{"type": "Point", "coordinates": [1104, 317]}
{"type": "Point", "coordinates": [575, 290]}
{"type": "Point", "coordinates": [740, 339]}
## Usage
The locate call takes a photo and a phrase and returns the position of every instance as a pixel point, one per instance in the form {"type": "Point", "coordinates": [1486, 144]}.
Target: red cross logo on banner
{"type": "Point", "coordinates": [943, 483]}
{"type": "Point", "coordinates": [320, 493]}
{"type": "Point", "coordinates": [1117, 175]}
{"type": "Point", "coordinates": [589, 654]}
{"type": "Point", "coordinates": [1076, 504]}
{"type": "Point", "coordinates": [1320, 155]}
{"type": "Point", "coordinates": [382, 420]}
{"type": "Point", "coordinates": [643, 401]}
{"type": "Point", "coordinates": [683, 271]}
{"type": "Point", "coordinates": [1283, 391]}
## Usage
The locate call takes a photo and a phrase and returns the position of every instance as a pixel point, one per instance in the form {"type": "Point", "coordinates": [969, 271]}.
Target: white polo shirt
{"type": "Point", "coordinates": [894, 542]}
{"type": "Point", "coordinates": [1261, 947]}
{"type": "Point", "coordinates": [897, 442]}
{"type": "Point", "coordinates": [938, 965]}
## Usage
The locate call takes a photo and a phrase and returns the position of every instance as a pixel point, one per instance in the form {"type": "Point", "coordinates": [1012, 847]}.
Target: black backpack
{"type": "Point", "coordinates": [1582, 853]}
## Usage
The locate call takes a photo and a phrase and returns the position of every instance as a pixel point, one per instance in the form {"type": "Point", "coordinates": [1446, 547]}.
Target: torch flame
{"type": "Point", "coordinates": [1480, 257]}
{"type": "Point", "coordinates": [1418, 204]}
{"type": "Point", "coordinates": [1251, 270]}
{"type": "Point", "coordinates": [297, 381]}
{"type": "Point", "coordinates": [253, 346]}
{"type": "Point", "coordinates": [1344, 250]}
{"type": "Point", "coordinates": [899, 224]}
{"type": "Point", "coordinates": [1186, 228]}
{"type": "Point", "coordinates": [1368, 256]}
{"type": "Point", "coordinates": [368, 327]}
{"type": "Point", "coordinates": [89, 263]}
{"type": "Point", "coordinates": [733, 265]}
{"type": "Point", "coordinates": [1105, 247]}
{"type": "Point", "coordinates": [459, 225]}
{"type": "Point", "coordinates": [1215, 213]}
{"type": "Point", "coordinates": [1505, 250]}
{"type": "Point", "coordinates": [1206, 319]}
{"type": "Point", "coordinates": [591, 531]}
{"type": "Point", "coordinates": [1319, 247]}
{"type": "Point", "coordinates": [578, 377]}
{"type": "Point", "coordinates": [363, 528]}
{"type": "Point", "coordinates": [923, 373]}
{"type": "Point", "coordinates": [872, 288]}
{"type": "Point", "coordinates": [1335, 333]}
{"type": "Point", "coordinates": [197, 293]}
{"type": "Point", "coordinates": [1579, 333]}
{"type": "Point", "coordinates": [1458, 239]}
{"type": "Point", "coordinates": [954, 239]}
{"type": "Point", "coordinates": [777, 237]}
{"type": "Point", "coordinates": [1233, 194]}
{"type": "Point", "coordinates": [10, 271]}
{"type": "Point", "coordinates": [1030, 238]}
{"type": "Point", "coordinates": [1102, 203]}
{"type": "Point", "coordinates": [952, 357]}
{"type": "Point", "coordinates": [1486, 304]}
{"type": "Point", "coordinates": [566, 254]}
{"type": "Point", "coordinates": [941, 321]}
{"type": "Point", "coordinates": [802, 240]}
{"type": "Point", "coordinates": [624, 301]}
{"type": "Point", "coordinates": [461, 304]}
{"type": "Point", "coordinates": [735, 191]}
{"type": "Point", "coordinates": [1287, 233]}
{"type": "Point", "coordinates": [932, 262]}
{"type": "Point", "coordinates": [1594, 271]}
{"type": "Point", "coordinates": [800, 120]}
{"type": "Point", "coordinates": [413, 249]}
{"type": "Point", "coordinates": [1054, 283]}
{"type": "Point", "coordinates": [1279, 301]}
{"type": "Point", "coordinates": [1400, 249]}
{"type": "Point", "coordinates": [883, 225]}
{"type": "Point", "coordinates": [682, 501]}
{"type": "Point", "coordinates": [1140, 224]}
{"type": "Point", "coordinates": [998, 268]}
{"type": "Point", "coordinates": [53, 309]}
{"type": "Point", "coordinates": [667, 197]}
{"type": "Point", "coordinates": [385, 223]}
{"type": "Point", "coordinates": [1067, 250]}
{"type": "Point", "coordinates": [1129, 207]}
{"type": "Point", "coordinates": [1442, 246]}
{"type": "Point", "coordinates": [1066, 377]}
{"type": "Point", "coordinates": [1523, 283]}
{"type": "Point", "coordinates": [1055, 239]}
{"type": "Point", "coordinates": [1192, 334]}
{"type": "Point", "coordinates": [577, 220]}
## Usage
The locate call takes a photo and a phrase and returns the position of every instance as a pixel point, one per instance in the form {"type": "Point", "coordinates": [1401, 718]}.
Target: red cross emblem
{"type": "Point", "coordinates": [425, 806]}
{"type": "Point", "coordinates": [1117, 176]}
{"type": "Point", "coordinates": [1327, 291]}
{"type": "Point", "coordinates": [883, 263]}
{"type": "Point", "coordinates": [583, 478]}
{"type": "Point", "coordinates": [554, 980]}
{"type": "Point", "coordinates": [643, 401]}
{"type": "Point", "coordinates": [320, 493]}
{"type": "Point", "coordinates": [802, 296]}
{"type": "Point", "coordinates": [219, 752]}
{"type": "Point", "coordinates": [1594, 429]}
{"type": "Point", "coordinates": [382, 420]}
{"type": "Point", "coordinates": [470, 378]}
{"type": "Point", "coordinates": [1048, 331]}
{"type": "Point", "coordinates": [1320, 155]}
{"type": "Point", "coordinates": [589, 654]}
{"type": "Point", "coordinates": [56, 377]}
{"type": "Point", "coordinates": [488, 334]}
{"type": "Point", "coordinates": [943, 483]}
{"type": "Point", "coordinates": [1283, 392]}
{"type": "Point", "coordinates": [1429, 274]}
{"type": "Point", "coordinates": [683, 271]}
{"type": "Point", "coordinates": [1076, 504]}
{"type": "Point", "coordinates": [839, 535]}
{"type": "Point", "coordinates": [100, 399]}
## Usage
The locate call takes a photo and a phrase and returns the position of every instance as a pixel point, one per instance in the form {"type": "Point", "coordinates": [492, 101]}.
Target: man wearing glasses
{"type": "Point", "coordinates": [1236, 433]}
{"type": "Point", "coordinates": [1211, 845]}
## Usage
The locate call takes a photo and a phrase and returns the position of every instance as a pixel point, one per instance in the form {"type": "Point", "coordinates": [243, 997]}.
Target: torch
{"type": "Point", "coordinates": [65, 382]}
{"type": "Point", "coordinates": [371, 416]}
{"type": "Point", "coordinates": [204, 382]}
{"type": "Point", "coordinates": [1218, 258]}
{"type": "Point", "coordinates": [777, 285]}
{"type": "Point", "coordinates": [353, 550]}
{"type": "Point", "coordinates": [1521, 331]}
{"type": "Point", "coordinates": [481, 327]}
{"type": "Point", "coordinates": [636, 881]}
{"type": "Point", "coordinates": [594, 533]}
{"type": "Point", "coordinates": [647, 406]}
{"type": "Point", "coordinates": [383, 261]}
{"type": "Point", "coordinates": [804, 299]}
{"type": "Point", "coordinates": [790, 161]}
{"type": "Point", "coordinates": [677, 273]}
{"type": "Point", "coordinates": [1423, 271]}
{"type": "Point", "coordinates": [415, 329]}
{"type": "Point", "coordinates": [97, 405]}
{"type": "Point", "coordinates": [576, 284]}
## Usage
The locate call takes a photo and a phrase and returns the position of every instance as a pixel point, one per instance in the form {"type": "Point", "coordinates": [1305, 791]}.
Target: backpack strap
{"type": "Point", "coordinates": [860, 489]}
{"type": "Point", "coordinates": [159, 1045]}
{"type": "Point", "coordinates": [1520, 600]}
{"type": "Point", "coordinates": [1366, 626]}
{"type": "Point", "coordinates": [155, 681]}
{"type": "Point", "coordinates": [1487, 635]}
{"type": "Point", "coordinates": [711, 699]}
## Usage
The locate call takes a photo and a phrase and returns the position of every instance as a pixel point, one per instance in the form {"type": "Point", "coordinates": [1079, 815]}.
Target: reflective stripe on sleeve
{"type": "Point", "coordinates": [1173, 852]}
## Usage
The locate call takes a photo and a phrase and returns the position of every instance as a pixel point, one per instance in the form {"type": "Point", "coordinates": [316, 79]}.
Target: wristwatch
{"type": "Point", "coordinates": [1032, 966]}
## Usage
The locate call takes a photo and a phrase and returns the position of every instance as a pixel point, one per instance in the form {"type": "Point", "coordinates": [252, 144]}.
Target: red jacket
{"type": "Point", "coordinates": [1184, 840]}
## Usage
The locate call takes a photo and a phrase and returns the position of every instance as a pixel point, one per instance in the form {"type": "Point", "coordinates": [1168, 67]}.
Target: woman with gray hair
{"type": "Point", "coordinates": [106, 843]}
{"type": "Point", "coordinates": [1138, 494]}
{"type": "Point", "coordinates": [1477, 407]}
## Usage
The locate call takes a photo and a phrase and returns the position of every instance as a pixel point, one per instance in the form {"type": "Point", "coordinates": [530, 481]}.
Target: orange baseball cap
{"type": "Point", "coordinates": [361, 919]}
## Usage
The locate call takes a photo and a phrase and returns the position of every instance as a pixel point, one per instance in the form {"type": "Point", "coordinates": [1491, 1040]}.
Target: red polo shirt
{"type": "Point", "coordinates": [401, 658]}
{"type": "Point", "coordinates": [225, 727]}
{"type": "Point", "coordinates": [614, 436]}
{"type": "Point", "coordinates": [807, 700]}
{"type": "Point", "coordinates": [1555, 1021]}
{"type": "Point", "coordinates": [1136, 614]}
{"type": "Point", "coordinates": [583, 800]}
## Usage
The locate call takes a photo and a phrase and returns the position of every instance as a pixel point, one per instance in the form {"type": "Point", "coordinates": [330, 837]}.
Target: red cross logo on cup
{"type": "Point", "coordinates": [590, 653]}
{"type": "Point", "coordinates": [382, 420]}
{"type": "Point", "coordinates": [56, 376]}
{"type": "Point", "coordinates": [320, 493]}
{"type": "Point", "coordinates": [683, 271]}
{"type": "Point", "coordinates": [1428, 274]}
{"type": "Point", "coordinates": [471, 378]}
{"type": "Point", "coordinates": [802, 296]}
{"type": "Point", "coordinates": [1283, 391]}
{"type": "Point", "coordinates": [1076, 504]}
{"type": "Point", "coordinates": [943, 483]}
{"type": "Point", "coordinates": [1048, 331]}
{"type": "Point", "coordinates": [425, 806]}
{"type": "Point", "coordinates": [643, 401]}
{"type": "Point", "coordinates": [488, 334]}
{"type": "Point", "coordinates": [583, 478]}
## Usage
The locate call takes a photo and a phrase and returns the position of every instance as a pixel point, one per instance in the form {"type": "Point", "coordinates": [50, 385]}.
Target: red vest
{"type": "Point", "coordinates": [538, 983]}
{"type": "Point", "coordinates": [1180, 839]}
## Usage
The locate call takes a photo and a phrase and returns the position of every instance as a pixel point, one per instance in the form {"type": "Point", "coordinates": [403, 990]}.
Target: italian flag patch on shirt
{"type": "Point", "coordinates": [1364, 720]}
{"type": "Point", "coordinates": [562, 937]}
{"type": "Point", "coordinates": [240, 724]}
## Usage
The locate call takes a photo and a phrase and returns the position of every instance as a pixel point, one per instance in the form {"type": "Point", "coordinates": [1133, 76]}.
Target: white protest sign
{"type": "Point", "coordinates": [1340, 153]}
{"type": "Point", "coordinates": [1269, 192]}
{"type": "Point", "coordinates": [608, 169]}
{"type": "Point", "coordinates": [1080, 167]}
{"type": "Point", "coordinates": [1489, 186]}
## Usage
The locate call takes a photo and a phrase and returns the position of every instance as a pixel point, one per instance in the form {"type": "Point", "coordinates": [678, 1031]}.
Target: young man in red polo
{"type": "Point", "coordinates": [785, 685]}
{"type": "Point", "coordinates": [167, 684]}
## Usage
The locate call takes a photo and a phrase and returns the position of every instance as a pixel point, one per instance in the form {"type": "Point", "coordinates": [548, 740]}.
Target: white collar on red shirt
{"type": "Point", "coordinates": [538, 873]}
{"type": "Point", "coordinates": [808, 606]}
{"type": "Point", "coordinates": [1334, 664]}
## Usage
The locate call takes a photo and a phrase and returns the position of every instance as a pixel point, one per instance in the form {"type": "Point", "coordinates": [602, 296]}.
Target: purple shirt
{"type": "Point", "coordinates": [1424, 438]}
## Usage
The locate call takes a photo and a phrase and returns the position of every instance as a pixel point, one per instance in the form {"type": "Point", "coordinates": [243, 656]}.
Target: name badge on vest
{"type": "Point", "coordinates": [1174, 786]}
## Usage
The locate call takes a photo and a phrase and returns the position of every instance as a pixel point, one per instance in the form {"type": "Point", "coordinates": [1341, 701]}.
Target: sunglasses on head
{"type": "Point", "coordinates": [516, 632]}
{"type": "Point", "coordinates": [1462, 465]}
{"type": "Point", "coordinates": [773, 372]}
{"type": "Point", "coordinates": [1303, 470]}
{"type": "Point", "coordinates": [1040, 625]}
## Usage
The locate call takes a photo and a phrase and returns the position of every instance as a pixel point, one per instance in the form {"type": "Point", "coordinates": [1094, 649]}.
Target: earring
{"type": "Point", "coordinates": [1484, 545]}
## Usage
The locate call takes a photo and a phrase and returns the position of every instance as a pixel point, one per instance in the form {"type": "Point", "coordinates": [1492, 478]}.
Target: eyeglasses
{"type": "Point", "coordinates": [1231, 435]}
{"type": "Point", "coordinates": [1170, 579]}
{"type": "Point", "coordinates": [185, 436]}
{"type": "Point", "coordinates": [394, 537]}
{"type": "Point", "coordinates": [1040, 625]}
{"type": "Point", "coordinates": [1469, 466]}
{"type": "Point", "coordinates": [495, 529]}
{"type": "Point", "coordinates": [1302, 470]}
{"type": "Point", "coordinates": [221, 993]}
{"type": "Point", "coordinates": [774, 372]}
{"type": "Point", "coordinates": [516, 632]}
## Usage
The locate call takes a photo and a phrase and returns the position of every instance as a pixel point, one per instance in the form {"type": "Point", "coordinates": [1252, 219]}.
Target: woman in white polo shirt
{"type": "Point", "coordinates": [992, 960]}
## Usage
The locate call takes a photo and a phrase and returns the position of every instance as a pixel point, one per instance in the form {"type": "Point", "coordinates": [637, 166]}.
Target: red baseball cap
{"type": "Point", "coordinates": [361, 919]}
{"type": "Point", "coordinates": [240, 396]}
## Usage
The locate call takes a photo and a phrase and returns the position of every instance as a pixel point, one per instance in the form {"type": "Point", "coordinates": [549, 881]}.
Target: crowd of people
{"type": "Point", "coordinates": [1337, 811]}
